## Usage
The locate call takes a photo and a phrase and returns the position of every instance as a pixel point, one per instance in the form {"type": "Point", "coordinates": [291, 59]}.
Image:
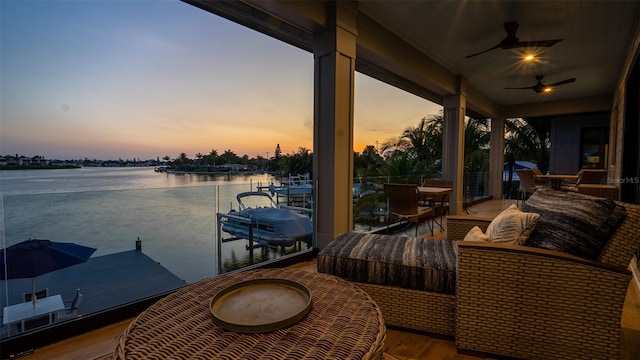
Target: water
{"type": "Point", "coordinates": [109, 208]}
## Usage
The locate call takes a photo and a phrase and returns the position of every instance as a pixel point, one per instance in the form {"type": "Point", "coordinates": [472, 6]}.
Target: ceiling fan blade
{"type": "Point", "coordinates": [540, 87]}
{"type": "Point", "coordinates": [536, 43]}
{"type": "Point", "coordinates": [512, 41]}
{"type": "Point", "coordinates": [568, 81]}
{"type": "Point", "coordinates": [483, 51]}
{"type": "Point", "coordinates": [522, 88]}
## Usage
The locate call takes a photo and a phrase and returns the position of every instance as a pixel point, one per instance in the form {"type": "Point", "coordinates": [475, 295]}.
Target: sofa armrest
{"type": "Point", "coordinates": [510, 295]}
{"type": "Point", "coordinates": [458, 226]}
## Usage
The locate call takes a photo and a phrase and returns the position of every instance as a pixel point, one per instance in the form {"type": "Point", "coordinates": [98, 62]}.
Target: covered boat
{"type": "Point", "coordinates": [298, 185]}
{"type": "Point", "coordinates": [266, 224]}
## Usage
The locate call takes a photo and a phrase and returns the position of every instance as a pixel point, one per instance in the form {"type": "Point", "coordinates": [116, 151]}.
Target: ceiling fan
{"type": "Point", "coordinates": [540, 87]}
{"type": "Point", "coordinates": [512, 41]}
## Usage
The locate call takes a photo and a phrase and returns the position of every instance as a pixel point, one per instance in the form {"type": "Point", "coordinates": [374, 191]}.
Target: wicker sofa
{"type": "Point", "coordinates": [515, 300]}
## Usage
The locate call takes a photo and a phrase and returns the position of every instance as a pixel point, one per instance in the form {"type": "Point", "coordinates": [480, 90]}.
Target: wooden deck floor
{"type": "Point", "coordinates": [401, 345]}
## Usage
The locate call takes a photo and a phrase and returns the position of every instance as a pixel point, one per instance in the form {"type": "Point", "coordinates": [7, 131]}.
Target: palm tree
{"type": "Point", "coordinates": [181, 161]}
{"type": "Point", "coordinates": [211, 158]}
{"type": "Point", "coordinates": [426, 138]}
{"type": "Point", "coordinates": [401, 166]}
{"type": "Point", "coordinates": [229, 155]}
{"type": "Point", "coordinates": [298, 163]}
{"type": "Point", "coordinates": [368, 163]}
{"type": "Point", "coordinates": [477, 136]}
{"type": "Point", "coordinates": [524, 142]}
{"type": "Point", "coordinates": [423, 145]}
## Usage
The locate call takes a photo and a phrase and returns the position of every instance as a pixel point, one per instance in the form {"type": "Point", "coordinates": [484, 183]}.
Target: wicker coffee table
{"type": "Point", "coordinates": [344, 323]}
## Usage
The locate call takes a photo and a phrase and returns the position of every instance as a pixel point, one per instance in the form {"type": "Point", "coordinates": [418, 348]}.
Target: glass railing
{"type": "Point", "coordinates": [150, 241]}
{"type": "Point", "coordinates": [370, 202]}
{"type": "Point", "coordinates": [147, 241]}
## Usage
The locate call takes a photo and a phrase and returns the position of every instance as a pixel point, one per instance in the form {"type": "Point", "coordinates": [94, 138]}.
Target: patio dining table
{"type": "Point", "coordinates": [20, 313]}
{"type": "Point", "coordinates": [438, 195]}
{"type": "Point", "coordinates": [557, 179]}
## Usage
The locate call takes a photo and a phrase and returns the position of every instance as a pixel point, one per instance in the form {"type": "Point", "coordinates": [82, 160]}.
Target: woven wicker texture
{"type": "Point", "coordinates": [535, 306]}
{"type": "Point", "coordinates": [541, 304]}
{"type": "Point", "coordinates": [414, 309]}
{"type": "Point", "coordinates": [344, 323]}
{"type": "Point", "coordinates": [625, 241]}
{"type": "Point", "coordinates": [459, 226]}
{"type": "Point", "coordinates": [385, 266]}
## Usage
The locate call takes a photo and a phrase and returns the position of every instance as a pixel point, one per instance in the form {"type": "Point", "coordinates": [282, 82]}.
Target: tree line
{"type": "Point", "coordinates": [417, 151]}
{"type": "Point", "coordinates": [296, 163]}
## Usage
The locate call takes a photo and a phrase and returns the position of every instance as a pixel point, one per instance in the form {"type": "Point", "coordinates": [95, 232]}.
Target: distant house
{"type": "Point", "coordinates": [235, 167]}
{"type": "Point", "coordinates": [39, 160]}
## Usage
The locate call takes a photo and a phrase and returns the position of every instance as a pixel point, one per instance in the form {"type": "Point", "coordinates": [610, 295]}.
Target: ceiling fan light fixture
{"type": "Point", "coordinates": [539, 87]}
{"type": "Point", "coordinates": [511, 41]}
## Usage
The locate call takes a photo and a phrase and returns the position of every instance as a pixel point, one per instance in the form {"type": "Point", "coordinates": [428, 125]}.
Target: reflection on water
{"type": "Point", "coordinates": [174, 215]}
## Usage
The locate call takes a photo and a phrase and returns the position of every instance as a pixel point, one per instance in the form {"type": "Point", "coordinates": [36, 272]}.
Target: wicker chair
{"type": "Point", "coordinates": [403, 204]}
{"type": "Point", "coordinates": [542, 304]}
{"type": "Point", "coordinates": [590, 176]}
{"type": "Point", "coordinates": [585, 176]}
{"type": "Point", "coordinates": [516, 301]}
{"type": "Point", "coordinates": [601, 190]}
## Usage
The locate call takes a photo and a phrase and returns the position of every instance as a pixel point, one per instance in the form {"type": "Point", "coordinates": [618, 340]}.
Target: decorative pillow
{"type": "Point", "coordinates": [512, 226]}
{"type": "Point", "coordinates": [573, 223]}
{"type": "Point", "coordinates": [476, 234]}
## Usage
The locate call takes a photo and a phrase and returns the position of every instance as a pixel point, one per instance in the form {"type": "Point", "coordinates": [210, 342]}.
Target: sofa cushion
{"type": "Point", "coordinates": [573, 223]}
{"type": "Point", "coordinates": [407, 262]}
{"type": "Point", "coordinates": [476, 234]}
{"type": "Point", "coordinates": [512, 226]}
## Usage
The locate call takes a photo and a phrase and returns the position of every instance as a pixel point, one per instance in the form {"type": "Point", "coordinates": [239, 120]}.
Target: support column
{"type": "Point", "coordinates": [334, 79]}
{"type": "Point", "coordinates": [496, 158]}
{"type": "Point", "coordinates": [453, 145]}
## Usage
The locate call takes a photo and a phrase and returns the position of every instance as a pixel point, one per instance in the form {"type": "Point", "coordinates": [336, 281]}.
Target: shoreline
{"type": "Point", "coordinates": [38, 167]}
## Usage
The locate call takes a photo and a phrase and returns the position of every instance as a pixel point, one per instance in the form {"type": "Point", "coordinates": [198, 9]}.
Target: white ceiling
{"type": "Point", "coordinates": [596, 37]}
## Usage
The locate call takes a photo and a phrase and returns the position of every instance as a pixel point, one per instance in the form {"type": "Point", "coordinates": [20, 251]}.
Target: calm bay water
{"type": "Point", "coordinates": [174, 215]}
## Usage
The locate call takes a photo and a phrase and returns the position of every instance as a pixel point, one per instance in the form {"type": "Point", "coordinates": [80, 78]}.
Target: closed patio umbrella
{"type": "Point", "coordinates": [32, 258]}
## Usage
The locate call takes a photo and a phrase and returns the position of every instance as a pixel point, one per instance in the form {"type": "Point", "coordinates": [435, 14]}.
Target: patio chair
{"type": "Point", "coordinates": [26, 297]}
{"type": "Point", "coordinates": [591, 176]}
{"type": "Point", "coordinates": [609, 191]}
{"type": "Point", "coordinates": [518, 301]}
{"type": "Point", "coordinates": [403, 204]}
{"type": "Point", "coordinates": [550, 304]}
{"type": "Point", "coordinates": [527, 184]}
{"type": "Point", "coordinates": [71, 306]}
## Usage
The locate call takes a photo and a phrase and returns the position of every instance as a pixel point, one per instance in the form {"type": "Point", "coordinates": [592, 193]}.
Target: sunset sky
{"type": "Point", "coordinates": [144, 79]}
